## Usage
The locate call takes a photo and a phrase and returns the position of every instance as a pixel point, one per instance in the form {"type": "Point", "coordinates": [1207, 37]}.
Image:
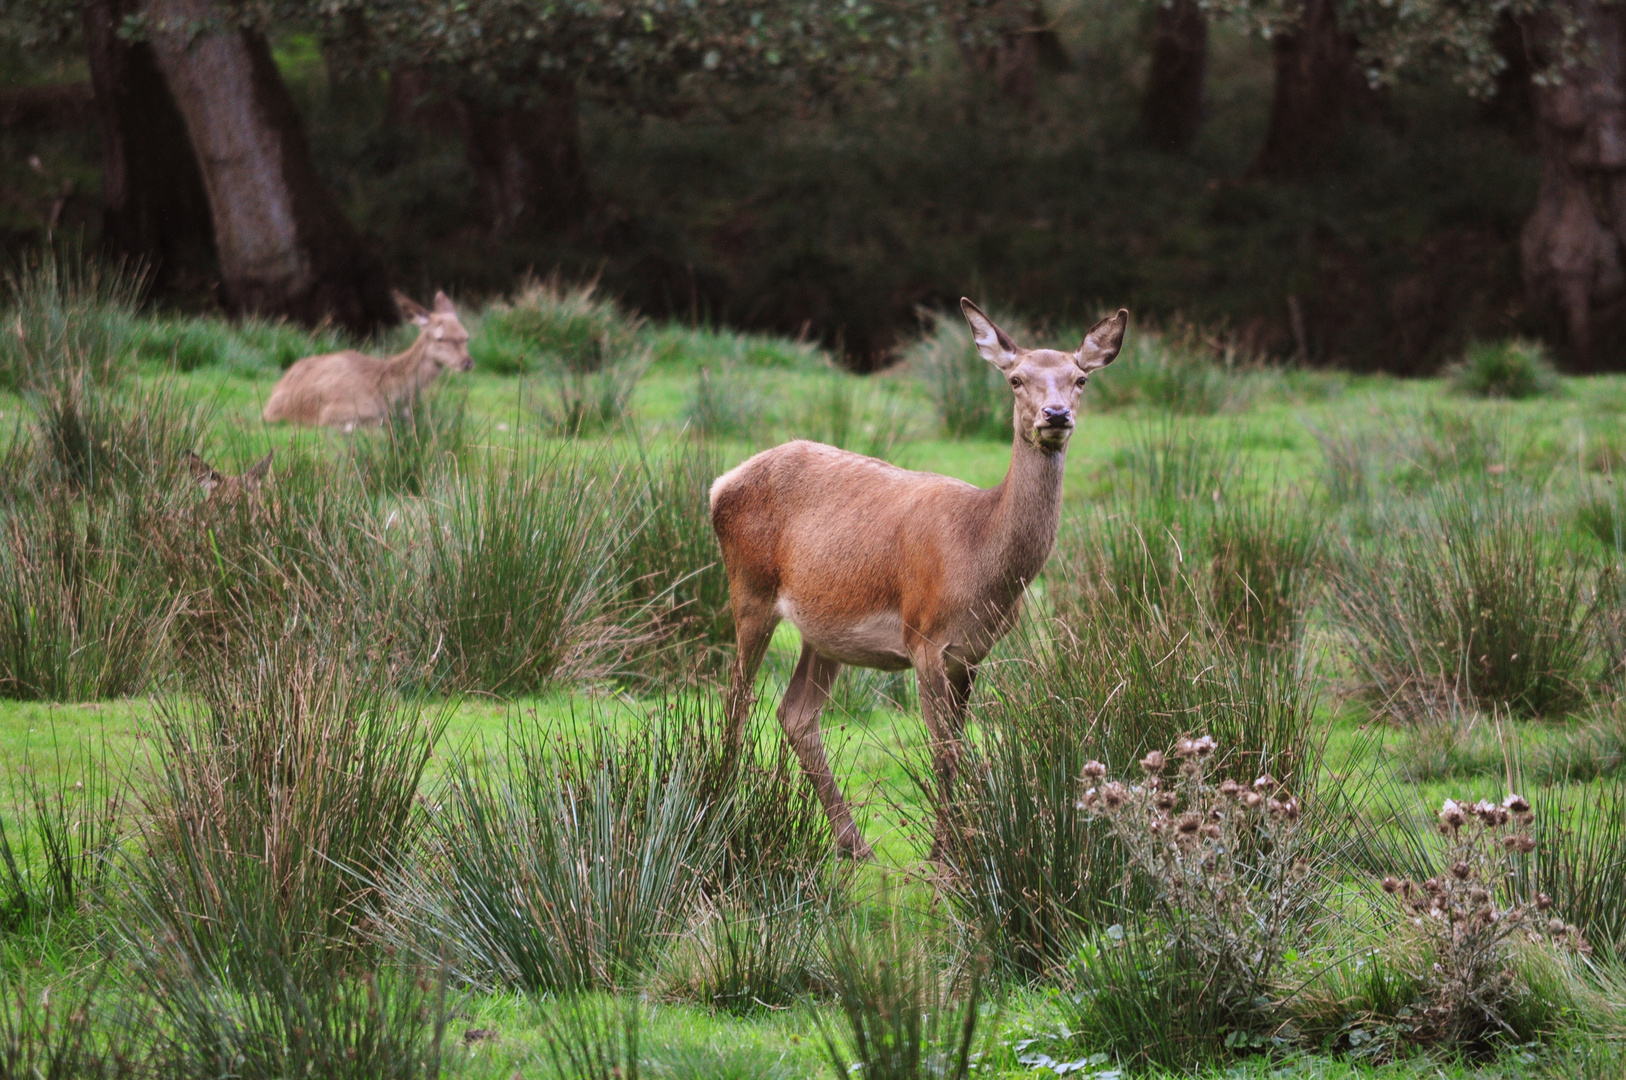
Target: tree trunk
{"type": "Point", "coordinates": [526, 160]}
{"type": "Point", "coordinates": [154, 208]}
{"type": "Point", "coordinates": [1573, 247]}
{"type": "Point", "coordinates": [415, 101]}
{"type": "Point", "coordinates": [1315, 77]}
{"type": "Point", "coordinates": [1172, 110]}
{"type": "Point", "coordinates": [285, 248]}
{"type": "Point", "coordinates": [1022, 43]}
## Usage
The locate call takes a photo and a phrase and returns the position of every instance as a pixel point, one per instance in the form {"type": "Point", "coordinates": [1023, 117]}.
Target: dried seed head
{"type": "Point", "coordinates": [1252, 799]}
{"type": "Point", "coordinates": [1189, 824]}
{"type": "Point", "coordinates": [1477, 895]}
{"type": "Point", "coordinates": [1452, 815]}
{"type": "Point", "coordinates": [1460, 870]}
{"type": "Point", "coordinates": [1094, 770]}
{"type": "Point", "coordinates": [1212, 831]}
{"type": "Point", "coordinates": [1190, 770]}
{"type": "Point", "coordinates": [1520, 843]}
{"type": "Point", "coordinates": [1543, 901]}
{"type": "Point", "coordinates": [1433, 887]}
{"type": "Point", "coordinates": [1556, 927]}
{"type": "Point", "coordinates": [1114, 795]}
{"type": "Point", "coordinates": [1516, 804]}
{"type": "Point", "coordinates": [1265, 781]}
{"type": "Point", "coordinates": [1205, 745]}
{"type": "Point", "coordinates": [1185, 748]}
{"type": "Point", "coordinates": [1391, 885]}
{"type": "Point", "coordinates": [1165, 800]}
{"type": "Point", "coordinates": [1153, 763]}
{"type": "Point", "coordinates": [1229, 788]}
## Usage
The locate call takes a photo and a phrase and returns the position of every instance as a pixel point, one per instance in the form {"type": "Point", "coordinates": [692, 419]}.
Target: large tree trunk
{"type": "Point", "coordinates": [1009, 41]}
{"type": "Point", "coordinates": [154, 208]}
{"type": "Point", "coordinates": [285, 248]}
{"type": "Point", "coordinates": [1573, 247]}
{"type": "Point", "coordinates": [526, 160]}
{"type": "Point", "coordinates": [1172, 110]}
{"type": "Point", "coordinates": [1315, 81]}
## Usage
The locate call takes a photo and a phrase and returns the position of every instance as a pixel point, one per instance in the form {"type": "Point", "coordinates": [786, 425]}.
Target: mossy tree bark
{"type": "Point", "coordinates": [284, 246]}
{"type": "Point", "coordinates": [1315, 82]}
{"type": "Point", "coordinates": [154, 207]}
{"type": "Point", "coordinates": [1573, 247]}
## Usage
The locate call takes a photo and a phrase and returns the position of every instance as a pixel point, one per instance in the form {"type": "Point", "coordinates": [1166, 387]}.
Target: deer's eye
{"type": "Point", "coordinates": [1016, 382]}
{"type": "Point", "coordinates": [1082, 379]}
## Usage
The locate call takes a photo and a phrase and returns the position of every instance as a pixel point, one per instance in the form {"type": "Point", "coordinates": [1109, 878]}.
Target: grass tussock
{"type": "Point", "coordinates": [64, 313]}
{"type": "Point", "coordinates": [1514, 369]}
{"type": "Point", "coordinates": [57, 852]}
{"type": "Point", "coordinates": [970, 394]}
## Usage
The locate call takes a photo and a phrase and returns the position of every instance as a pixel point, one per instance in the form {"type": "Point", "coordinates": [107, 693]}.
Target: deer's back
{"type": "Point", "coordinates": [814, 526]}
{"type": "Point", "coordinates": [330, 389]}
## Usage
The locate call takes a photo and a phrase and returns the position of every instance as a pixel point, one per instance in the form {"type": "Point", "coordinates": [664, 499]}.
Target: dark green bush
{"type": "Point", "coordinates": [550, 326]}
{"type": "Point", "coordinates": [1514, 368]}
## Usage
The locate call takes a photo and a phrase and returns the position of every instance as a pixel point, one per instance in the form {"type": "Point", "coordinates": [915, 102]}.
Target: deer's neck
{"type": "Point", "coordinates": [1027, 512]}
{"type": "Point", "coordinates": [405, 373]}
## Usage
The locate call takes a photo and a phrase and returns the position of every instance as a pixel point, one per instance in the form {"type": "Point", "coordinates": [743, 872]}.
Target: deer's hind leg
{"type": "Point", "coordinates": [754, 624]}
{"type": "Point", "coordinates": [799, 715]}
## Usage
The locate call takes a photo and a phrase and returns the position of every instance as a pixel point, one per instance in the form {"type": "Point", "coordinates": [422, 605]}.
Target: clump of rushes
{"type": "Point", "coordinates": [550, 325]}
{"type": "Point", "coordinates": [1464, 934]}
{"type": "Point", "coordinates": [1230, 885]}
{"type": "Point", "coordinates": [1515, 369]}
{"type": "Point", "coordinates": [969, 393]}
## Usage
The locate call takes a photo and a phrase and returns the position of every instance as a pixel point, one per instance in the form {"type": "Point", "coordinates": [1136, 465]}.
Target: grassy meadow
{"type": "Point", "coordinates": [409, 763]}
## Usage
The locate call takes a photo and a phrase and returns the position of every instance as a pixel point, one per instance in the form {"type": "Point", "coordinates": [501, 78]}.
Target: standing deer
{"type": "Point", "coordinates": [344, 389]}
{"type": "Point", "coordinates": [881, 567]}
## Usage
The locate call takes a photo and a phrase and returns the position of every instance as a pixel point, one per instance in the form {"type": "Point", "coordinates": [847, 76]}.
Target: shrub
{"type": "Point", "coordinates": [1227, 872]}
{"type": "Point", "coordinates": [676, 346]}
{"type": "Point", "coordinates": [183, 344]}
{"type": "Point", "coordinates": [900, 1017]}
{"type": "Point", "coordinates": [752, 950]}
{"type": "Point", "coordinates": [428, 438]}
{"type": "Point", "coordinates": [84, 609]}
{"type": "Point", "coordinates": [970, 394]}
{"type": "Point", "coordinates": [517, 576]}
{"type": "Point", "coordinates": [1514, 369]}
{"type": "Point", "coordinates": [1264, 555]}
{"type": "Point", "coordinates": [1462, 933]}
{"type": "Point", "coordinates": [64, 313]}
{"type": "Point", "coordinates": [1472, 600]}
{"type": "Point", "coordinates": [553, 326]}
{"type": "Point", "coordinates": [288, 787]}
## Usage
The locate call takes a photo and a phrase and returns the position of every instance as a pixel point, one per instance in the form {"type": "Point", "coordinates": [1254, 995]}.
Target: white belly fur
{"type": "Point", "coordinates": [875, 641]}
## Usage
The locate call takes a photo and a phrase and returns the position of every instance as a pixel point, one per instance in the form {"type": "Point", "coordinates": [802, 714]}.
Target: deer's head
{"type": "Point", "coordinates": [1046, 382]}
{"type": "Point", "coordinates": [448, 342]}
{"type": "Point", "coordinates": [220, 486]}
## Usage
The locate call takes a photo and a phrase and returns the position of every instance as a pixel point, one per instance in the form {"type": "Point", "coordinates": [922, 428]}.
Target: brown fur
{"type": "Point", "coordinates": [223, 488]}
{"type": "Point", "coordinates": [882, 567]}
{"type": "Point", "coordinates": [347, 389]}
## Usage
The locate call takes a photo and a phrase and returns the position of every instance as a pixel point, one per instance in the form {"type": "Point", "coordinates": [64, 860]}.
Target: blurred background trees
{"type": "Point", "coordinates": [1344, 181]}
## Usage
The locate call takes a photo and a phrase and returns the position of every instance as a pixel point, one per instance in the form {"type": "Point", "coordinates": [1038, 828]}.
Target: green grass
{"type": "Point", "coordinates": [1411, 442]}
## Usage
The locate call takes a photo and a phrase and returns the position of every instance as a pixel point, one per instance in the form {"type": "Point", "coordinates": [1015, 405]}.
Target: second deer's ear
{"type": "Point", "coordinates": [1102, 343]}
{"type": "Point", "coordinates": [994, 344]}
{"type": "Point", "coordinates": [411, 309]}
{"type": "Point", "coordinates": [202, 474]}
{"type": "Point", "coordinates": [257, 473]}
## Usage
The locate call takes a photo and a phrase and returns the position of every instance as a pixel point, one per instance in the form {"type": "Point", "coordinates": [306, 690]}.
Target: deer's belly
{"type": "Point", "coordinates": [872, 641]}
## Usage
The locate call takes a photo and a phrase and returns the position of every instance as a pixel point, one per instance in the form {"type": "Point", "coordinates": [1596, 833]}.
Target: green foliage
{"type": "Point", "coordinates": [428, 438]}
{"type": "Point", "coordinates": [58, 856]}
{"type": "Point", "coordinates": [579, 403]}
{"type": "Point", "coordinates": [1580, 858]}
{"type": "Point", "coordinates": [900, 1017]}
{"type": "Point", "coordinates": [92, 438]}
{"type": "Point", "coordinates": [851, 413]}
{"type": "Point", "coordinates": [1513, 369]}
{"type": "Point", "coordinates": [1472, 599]}
{"type": "Point", "coordinates": [66, 315]}
{"type": "Point", "coordinates": [724, 406]}
{"type": "Point", "coordinates": [552, 327]}
{"type": "Point", "coordinates": [971, 397]}
{"type": "Point", "coordinates": [754, 951]}
{"type": "Point", "coordinates": [1175, 372]}
{"type": "Point", "coordinates": [590, 1038]}
{"type": "Point", "coordinates": [44, 1038]}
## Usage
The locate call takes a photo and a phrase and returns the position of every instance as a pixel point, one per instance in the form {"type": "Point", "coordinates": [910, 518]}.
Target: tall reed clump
{"type": "Point", "coordinates": [64, 312]}
{"type": "Point", "coordinates": [1474, 600]}
{"type": "Point", "coordinates": [1515, 369]}
{"type": "Point", "coordinates": [854, 414]}
{"type": "Point", "coordinates": [1176, 372]}
{"type": "Point", "coordinates": [576, 857]}
{"type": "Point", "coordinates": [84, 608]}
{"type": "Point", "coordinates": [671, 565]}
{"type": "Point", "coordinates": [900, 1016]}
{"type": "Point", "coordinates": [518, 579]}
{"type": "Point", "coordinates": [92, 438]}
{"type": "Point", "coordinates": [1580, 858]}
{"type": "Point", "coordinates": [428, 438]}
{"type": "Point", "coordinates": [1229, 884]}
{"type": "Point", "coordinates": [970, 394]}
{"type": "Point", "coordinates": [42, 1037]}
{"type": "Point", "coordinates": [286, 791]}
{"type": "Point", "coordinates": [57, 852]}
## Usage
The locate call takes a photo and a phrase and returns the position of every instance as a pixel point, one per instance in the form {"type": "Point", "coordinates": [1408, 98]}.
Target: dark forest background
{"type": "Point", "coordinates": [1105, 153]}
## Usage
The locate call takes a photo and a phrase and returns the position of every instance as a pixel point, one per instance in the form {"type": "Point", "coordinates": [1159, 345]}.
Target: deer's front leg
{"type": "Point", "coordinates": [945, 688]}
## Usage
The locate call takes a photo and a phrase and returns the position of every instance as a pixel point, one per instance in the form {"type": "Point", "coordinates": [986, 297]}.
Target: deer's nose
{"type": "Point", "coordinates": [1058, 415]}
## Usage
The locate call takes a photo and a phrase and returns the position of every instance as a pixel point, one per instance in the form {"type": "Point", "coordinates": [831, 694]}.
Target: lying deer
{"type": "Point", "coordinates": [344, 389]}
{"type": "Point", "coordinates": [222, 488]}
{"type": "Point", "coordinates": [881, 567]}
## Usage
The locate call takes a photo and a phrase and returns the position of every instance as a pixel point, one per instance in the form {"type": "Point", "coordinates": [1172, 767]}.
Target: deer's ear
{"type": "Point", "coordinates": [994, 344]}
{"type": "Point", "coordinates": [411, 309]}
{"type": "Point", "coordinates": [257, 473]}
{"type": "Point", "coordinates": [1102, 343]}
{"type": "Point", "coordinates": [443, 304]}
{"type": "Point", "coordinates": [202, 474]}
